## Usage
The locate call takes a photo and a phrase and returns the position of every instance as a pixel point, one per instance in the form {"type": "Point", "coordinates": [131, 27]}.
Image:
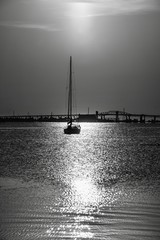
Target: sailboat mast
{"type": "Point", "coordinates": [70, 91]}
{"type": "Point", "coordinates": [71, 129]}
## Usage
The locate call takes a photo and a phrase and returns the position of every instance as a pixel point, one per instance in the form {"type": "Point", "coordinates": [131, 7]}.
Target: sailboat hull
{"type": "Point", "coordinates": [72, 130]}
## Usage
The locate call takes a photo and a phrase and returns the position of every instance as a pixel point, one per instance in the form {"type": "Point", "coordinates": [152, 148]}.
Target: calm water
{"type": "Point", "coordinates": [101, 184]}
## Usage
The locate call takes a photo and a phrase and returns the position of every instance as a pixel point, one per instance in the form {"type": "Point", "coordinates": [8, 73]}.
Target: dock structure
{"type": "Point", "coordinates": [110, 116]}
{"type": "Point", "coordinates": [37, 118]}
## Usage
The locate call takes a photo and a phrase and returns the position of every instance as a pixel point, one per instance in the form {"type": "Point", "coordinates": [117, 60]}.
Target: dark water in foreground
{"type": "Point", "coordinates": [101, 184]}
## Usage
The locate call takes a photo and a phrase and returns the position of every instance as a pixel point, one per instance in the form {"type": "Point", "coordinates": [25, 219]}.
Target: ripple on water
{"type": "Point", "coordinates": [101, 184]}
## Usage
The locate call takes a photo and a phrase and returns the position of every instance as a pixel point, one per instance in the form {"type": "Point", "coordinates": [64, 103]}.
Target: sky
{"type": "Point", "coordinates": [115, 46]}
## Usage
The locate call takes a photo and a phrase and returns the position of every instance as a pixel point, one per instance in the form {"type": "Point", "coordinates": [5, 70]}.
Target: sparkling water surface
{"type": "Point", "coordinates": [103, 183]}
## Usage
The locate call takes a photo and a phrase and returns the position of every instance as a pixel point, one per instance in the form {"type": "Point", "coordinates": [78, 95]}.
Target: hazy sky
{"type": "Point", "coordinates": [115, 46]}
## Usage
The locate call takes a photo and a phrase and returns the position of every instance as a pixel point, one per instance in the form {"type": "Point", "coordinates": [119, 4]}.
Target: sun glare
{"type": "Point", "coordinates": [79, 13]}
{"type": "Point", "coordinates": [80, 9]}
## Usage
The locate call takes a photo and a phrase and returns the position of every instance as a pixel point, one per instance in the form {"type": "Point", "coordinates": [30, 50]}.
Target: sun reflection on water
{"type": "Point", "coordinates": [75, 229]}
{"type": "Point", "coordinates": [84, 192]}
{"type": "Point", "coordinates": [87, 179]}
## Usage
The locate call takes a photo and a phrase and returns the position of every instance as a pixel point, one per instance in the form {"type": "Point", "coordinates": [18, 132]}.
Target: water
{"type": "Point", "coordinates": [101, 184]}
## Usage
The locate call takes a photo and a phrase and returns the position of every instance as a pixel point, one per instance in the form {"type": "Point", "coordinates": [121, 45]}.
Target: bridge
{"type": "Point", "coordinates": [122, 116]}
{"type": "Point", "coordinates": [110, 116]}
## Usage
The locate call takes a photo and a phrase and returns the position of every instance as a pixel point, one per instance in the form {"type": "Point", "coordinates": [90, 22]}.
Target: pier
{"type": "Point", "coordinates": [110, 116]}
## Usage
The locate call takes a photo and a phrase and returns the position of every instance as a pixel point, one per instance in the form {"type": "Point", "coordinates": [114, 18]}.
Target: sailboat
{"type": "Point", "coordinates": [71, 128]}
